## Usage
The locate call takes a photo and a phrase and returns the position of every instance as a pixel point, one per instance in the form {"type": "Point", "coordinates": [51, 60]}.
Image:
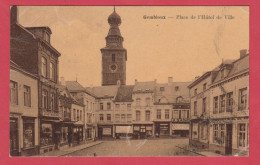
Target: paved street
{"type": "Point", "coordinates": [153, 147]}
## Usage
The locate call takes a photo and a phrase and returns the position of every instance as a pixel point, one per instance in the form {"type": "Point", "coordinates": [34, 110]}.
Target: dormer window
{"type": "Point", "coordinates": [162, 89]}
{"type": "Point", "coordinates": [222, 73]}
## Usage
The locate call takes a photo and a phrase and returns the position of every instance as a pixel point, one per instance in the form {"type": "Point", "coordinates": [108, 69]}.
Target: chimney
{"type": "Point", "coordinates": [62, 81]}
{"type": "Point", "coordinates": [135, 81]}
{"type": "Point", "coordinates": [243, 53]}
{"type": "Point", "coordinates": [14, 15]}
{"type": "Point", "coordinates": [170, 81]}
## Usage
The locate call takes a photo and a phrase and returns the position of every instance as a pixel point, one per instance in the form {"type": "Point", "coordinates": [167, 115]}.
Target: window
{"type": "Point", "coordinates": [180, 114]}
{"type": "Point", "coordinates": [129, 107]}
{"type": "Point", "coordinates": [241, 135]}
{"type": "Point", "coordinates": [113, 57]}
{"type": "Point", "coordinates": [204, 104]}
{"type": "Point", "coordinates": [222, 73]}
{"type": "Point", "coordinates": [147, 100]}
{"type": "Point", "coordinates": [13, 93]}
{"type": "Point", "coordinates": [117, 117]}
{"type": "Point", "coordinates": [162, 89]}
{"type": "Point", "coordinates": [117, 106]}
{"type": "Point", "coordinates": [44, 99]}
{"type": "Point", "coordinates": [184, 114]}
{"type": "Point", "coordinates": [101, 106]}
{"type": "Point", "coordinates": [147, 115]}
{"type": "Point", "coordinates": [242, 99]}
{"type": "Point", "coordinates": [159, 115]}
{"type": "Point", "coordinates": [177, 88]}
{"type": "Point", "coordinates": [129, 117]}
{"type": "Point", "coordinates": [101, 117]}
{"type": "Point", "coordinates": [123, 117]}
{"type": "Point", "coordinates": [222, 133]}
{"type": "Point", "coordinates": [138, 100]}
{"type": "Point", "coordinates": [176, 114]}
{"type": "Point", "coordinates": [204, 86]}
{"type": "Point", "coordinates": [52, 72]}
{"type": "Point", "coordinates": [138, 115]}
{"type": "Point", "coordinates": [46, 37]}
{"type": "Point", "coordinates": [28, 133]}
{"type": "Point", "coordinates": [195, 108]}
{"type": "Point", "coordinates": [222, 103]}
{"type": "Point", "coordinates": [188, 114]}
{"type": "Point", "coordinates": [108, 117]}
{"type": "Point", "coordinates": [179, 99]}
{"type": "Point", "coordinates": [74, 114]}
{"type": "Point", "coordinates": [202, 131]}
{"type": "Point", "coordinates": [27, 96]}
{"type": "Point", "coordinates": [229, 102]}
{"type": "Point", "coordinates": [215, 102]}
{"type": "Point", "coordinates": [77, 115]}
{"type": "Point", "coordinates": [195, 91]}
{"type": "Point", "coordinates": [80, 116]}
{"type": "Point", "coordinates": [52, 101]}
{"type": "Point", "coordinates": [167, 114]}
{"type": "Point", "coordinates": [108, 106]}
{"type": "Point", "coordinates": [44, 67]}
{"type": "Point", "coordinates": [215, 130]}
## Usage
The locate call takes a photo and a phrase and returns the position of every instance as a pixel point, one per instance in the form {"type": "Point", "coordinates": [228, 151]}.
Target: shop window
{"type": "Point", "coordinates": [44, 67]}
{"type": "Point", "coordinates": [13, 93]}
{"type": "Point", "coordinates": [138, 115]}
{"type": "Point", "coordinates": [167, 114]}
{"type": "Point", "coordinates": [46, 134]}
{"type": "Point", "coordinates": [159, 115]}
{"type": "Point", "coordinates": [215, 102]}
{"type": "Point", "coordinates": [27, 96]}
{"type": "Point", "coordinates": [241, 135]}
{"type": "Point", "coordinates": [147, 115]}
{"type": "Point", "coordinates": [222, 133]}
{"type": "Point", "coordinates": [28, 133]}
{"type": "Point", "coordinates": [242, 99]}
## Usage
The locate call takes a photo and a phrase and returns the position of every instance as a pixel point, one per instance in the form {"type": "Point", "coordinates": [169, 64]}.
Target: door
{"type": "Point", "coordinates": [14, 151]}
{"type": "Point", "coordinates": [100, 132]}
{"type": "Point", "coordinates": [229, 140]}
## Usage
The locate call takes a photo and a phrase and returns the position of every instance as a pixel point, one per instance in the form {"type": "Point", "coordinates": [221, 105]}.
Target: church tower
{"type": "Point", "coordinates": [114, 56]}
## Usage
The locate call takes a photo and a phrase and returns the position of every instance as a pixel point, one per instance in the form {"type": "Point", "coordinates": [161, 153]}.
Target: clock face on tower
{"type": "Point", "coordinates": [113, 67]}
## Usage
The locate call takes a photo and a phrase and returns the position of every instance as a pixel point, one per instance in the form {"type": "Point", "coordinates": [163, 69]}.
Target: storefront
{"type": "Point", "coordinates": [89, 132]}
{"type": "Point", "coordinates": [180, 129]}
{"type": "Point", "coordinates": [142, 131]}
{"type": "Point", "coordinates": [162, 128]}
{"type": "Point", "coordinates": [46, 136]}
{"type": "Point", "coordinates": [14, 139]}
{"type": "Point", "coordinates": [77, 134]}
{"type": "Point", "coordinates": [123, 131]}
{"type": "Point", "coordinates": [105, 131]}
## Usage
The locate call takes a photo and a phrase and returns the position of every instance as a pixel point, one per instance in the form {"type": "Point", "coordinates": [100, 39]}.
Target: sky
{"type": "Point", "coordinates": [156, 48]}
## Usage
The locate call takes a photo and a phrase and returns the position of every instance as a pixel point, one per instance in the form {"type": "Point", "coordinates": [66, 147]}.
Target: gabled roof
{"type": "Point", "coordinates": [62, 88]}
{"type": "Point", "coordinates": [171, 92]}
{"type": "Point", "coordinates": [75, 86]}
{"type": "Point", "coordinates": [103, 91]}
{"type": "Point", "coordinates": [144, 87]}
{"type": "Point", "coordinates": [124, 93]}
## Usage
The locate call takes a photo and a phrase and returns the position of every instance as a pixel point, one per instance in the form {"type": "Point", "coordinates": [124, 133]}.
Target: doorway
{"type": "Point", "coordinates": [228, 146]}
{"type": "Point", "coordinates": [14, 150]}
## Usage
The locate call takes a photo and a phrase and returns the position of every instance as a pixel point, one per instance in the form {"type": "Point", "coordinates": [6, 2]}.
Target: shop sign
{"type": "Point", "coordinates": [136, 128]}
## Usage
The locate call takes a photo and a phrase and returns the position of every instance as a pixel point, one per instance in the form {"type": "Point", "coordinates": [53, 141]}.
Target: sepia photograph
{"type": "Point", "coordinates": [129, 81]}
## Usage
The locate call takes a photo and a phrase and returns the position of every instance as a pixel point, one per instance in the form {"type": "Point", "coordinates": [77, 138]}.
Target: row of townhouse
{"type": "Point", "coordinates": [140, 110]}
{"type": "Point", "coordinates": [44, 115]}
{"type": "Point", "coordinates": [220, 108]}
